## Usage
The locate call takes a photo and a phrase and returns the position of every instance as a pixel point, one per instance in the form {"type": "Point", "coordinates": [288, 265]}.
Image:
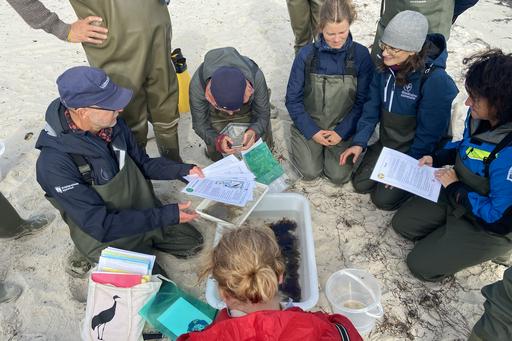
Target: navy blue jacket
{"type": "Point", "coordinates": [59, 177]}
{"type": "Point", "coordinates": [431, 105]}
{"type": "Point", "coordinates": [461, 6]}
{"type": "Point", "coordinates": [331, 62]}
{"type": "Point", "coordinates": [494, 211]}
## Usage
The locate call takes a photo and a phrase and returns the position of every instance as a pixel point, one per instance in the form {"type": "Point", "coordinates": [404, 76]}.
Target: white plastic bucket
{"type": "Point", "coordinates": [296, 207]}
{"type": "Point", "coordinates": [355, 294]}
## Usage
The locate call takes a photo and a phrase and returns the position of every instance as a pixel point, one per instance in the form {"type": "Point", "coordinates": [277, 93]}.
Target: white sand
{"type": "Point", "coordinates": [349, 231]}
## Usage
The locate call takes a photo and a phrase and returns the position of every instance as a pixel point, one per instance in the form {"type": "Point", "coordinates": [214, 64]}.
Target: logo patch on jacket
{"type": "Point", "coordinates": [62, 189]}
{"type": "Point", "coordinates": [509, 176]}
{"type": "Point", "coordinates": [406, 92]}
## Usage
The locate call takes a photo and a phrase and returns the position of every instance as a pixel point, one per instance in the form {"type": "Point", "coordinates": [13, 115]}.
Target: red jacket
{"type": "Point", "coordinates": [285, 325]}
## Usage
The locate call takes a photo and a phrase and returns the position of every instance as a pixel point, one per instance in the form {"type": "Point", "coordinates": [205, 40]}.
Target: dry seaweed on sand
{"type": "Point", "coordinates": [284, 230]}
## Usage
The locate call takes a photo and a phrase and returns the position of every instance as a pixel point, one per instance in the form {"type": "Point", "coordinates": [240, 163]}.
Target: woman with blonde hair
{"type": "Point", "coordinates": [326, 92]}
{"type": "Point", "coordinates": [248, 267]}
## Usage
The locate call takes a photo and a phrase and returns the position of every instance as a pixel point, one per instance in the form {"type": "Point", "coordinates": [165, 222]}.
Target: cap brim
{"type": "Point", "coordinates": [118, 100]}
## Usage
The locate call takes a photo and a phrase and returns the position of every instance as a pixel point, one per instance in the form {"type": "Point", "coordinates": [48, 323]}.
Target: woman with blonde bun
{"type": "Point", "coordinates": [248, 267]}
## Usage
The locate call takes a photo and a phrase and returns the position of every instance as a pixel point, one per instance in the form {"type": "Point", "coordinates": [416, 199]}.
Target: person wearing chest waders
{"type": "Point", "coordinates": [229, 88]}
{"type": "Point", "coordinates": [94, 172]}
{"type": "Point", "coordinates": [326, 92]}
{"type": "Point", "coordinates": [134, 53]}
{"type": "Point", "coordinates": [248, 266]}
{"type": "Point", "coordinates": [496, 321]}
{"type": "Point", "coordinates": [410, 96]}
{"type": "Point", "coordinates": [441, 15]}
{"type": "Point", "coordinates": [472, 221]}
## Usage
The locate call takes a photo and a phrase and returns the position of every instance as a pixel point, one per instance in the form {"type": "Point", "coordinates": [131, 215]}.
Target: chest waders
{"type": "Point", "coordinates": [11, 221]}
{"type": "Point", "coordinates": [451, 239]}
{"type": "Point", "coordinates": [304, 20]}
{"type": "Point", "coordinates": [327, 99]}
{"type": "Point", "coordinates": [397, 132]}
{"type": "Point", "coordinates": [439, 14]}
{"type": "Point", "coordinates": [496, 321]}
{"type": "Point", "coordinates": [220, 119]}
{"type": "Point", "coordinates": [128, 189]}
{"type": "Point", "coordinates": [136, 55]}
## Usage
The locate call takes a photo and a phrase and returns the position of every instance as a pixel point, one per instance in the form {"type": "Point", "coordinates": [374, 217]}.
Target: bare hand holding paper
{"type": "Point", "coordinates": [402, 171]}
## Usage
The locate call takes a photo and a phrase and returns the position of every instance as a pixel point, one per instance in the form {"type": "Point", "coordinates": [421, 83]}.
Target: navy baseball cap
{"type": "Point", "coordinates": [84, 86]}
{"type": "Point", "coordinates": [227, 85]}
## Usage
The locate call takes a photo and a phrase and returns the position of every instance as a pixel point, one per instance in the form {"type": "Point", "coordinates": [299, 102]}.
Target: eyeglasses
{"type": "Point", "coordinates": [391, 50]}
{"type": "Point", "coordinates": [231, 112]}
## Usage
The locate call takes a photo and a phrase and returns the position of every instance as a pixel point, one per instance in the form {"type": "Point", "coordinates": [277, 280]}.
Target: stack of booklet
{"type": "Point", "coordinates": [122, 268]}
{"type": "Point", "coordinates": [228, 181]}
{"type": "Point", "coordinates": [262, 163]}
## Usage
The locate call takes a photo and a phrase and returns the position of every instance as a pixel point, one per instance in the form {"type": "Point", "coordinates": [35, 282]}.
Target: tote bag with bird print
{"type": "Point", "coordinates": [112, 313]}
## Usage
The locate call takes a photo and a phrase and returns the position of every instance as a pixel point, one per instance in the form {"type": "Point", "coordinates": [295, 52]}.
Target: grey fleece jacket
{"type": "Point", "coordinates": [199, 106]}
{"type": "Point", "coordinates": [39, 17]}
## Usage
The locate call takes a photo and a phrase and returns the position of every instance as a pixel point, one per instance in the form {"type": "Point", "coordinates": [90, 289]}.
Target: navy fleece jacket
{"type": "Point", "coordinates": [330, 62]}
{"type": "Point", "coordinates": [431, 105]}
{"type": "Point", "coordinates": [59, 177]}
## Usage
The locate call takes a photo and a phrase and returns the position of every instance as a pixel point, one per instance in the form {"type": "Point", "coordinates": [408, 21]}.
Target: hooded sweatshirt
{"type": "Point", "coordinates": [61, 180]}
{"type": "Point", "coordinates": [200, 107]}
{"type": "Point", "coordinates": [430, 103]}
{"type": "Point", "coordinates": [330, 62]}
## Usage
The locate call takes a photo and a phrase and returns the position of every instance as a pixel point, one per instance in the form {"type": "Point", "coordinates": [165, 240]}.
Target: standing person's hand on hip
{"type": "Point", "coordinates": [87, 31]}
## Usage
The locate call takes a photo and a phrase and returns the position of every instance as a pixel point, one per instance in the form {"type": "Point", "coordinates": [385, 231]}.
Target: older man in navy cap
{"type": "Point", "coordinates": [228, 87]}
{"type": "Point", "coordinates": [95, 174]}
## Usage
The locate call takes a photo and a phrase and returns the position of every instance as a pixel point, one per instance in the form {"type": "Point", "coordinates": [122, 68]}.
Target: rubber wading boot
{"type": "Point", "coordinates": [167, 142]}
{"type": "Point", "coordinates": [28, 227]}
{"type": "Point", "coordinates": [35, 224]}
{"type": "Point", "coordinates": [77, 266]}
{"type": "Point", "coordinates": [505, 260]}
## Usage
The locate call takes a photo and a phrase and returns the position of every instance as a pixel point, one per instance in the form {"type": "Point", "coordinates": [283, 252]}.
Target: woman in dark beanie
{"type": "Point", "coordinates": [327, 89]}
{"type": "Point", "coordinates": [472, 221]}
{"type": "Point", "coordinates": [411, 96]}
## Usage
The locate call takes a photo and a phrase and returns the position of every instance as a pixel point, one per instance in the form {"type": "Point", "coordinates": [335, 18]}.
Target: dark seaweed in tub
{"type": "Point", "coordinates": [284, 230]}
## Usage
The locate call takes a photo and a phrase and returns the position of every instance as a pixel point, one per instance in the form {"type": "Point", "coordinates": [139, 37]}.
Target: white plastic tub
{"type": "Point", "coordinates": [295, 207]}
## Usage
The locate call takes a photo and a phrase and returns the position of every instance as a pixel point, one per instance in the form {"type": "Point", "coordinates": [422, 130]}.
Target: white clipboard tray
{"type": "Point", "coordinates": [238, 214]}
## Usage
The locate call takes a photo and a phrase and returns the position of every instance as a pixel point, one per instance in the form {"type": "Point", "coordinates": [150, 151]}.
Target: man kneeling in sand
{"type": "Point", "coordinates": [229, 88]}
{"type": "Point", "coordinates": [94, 173]}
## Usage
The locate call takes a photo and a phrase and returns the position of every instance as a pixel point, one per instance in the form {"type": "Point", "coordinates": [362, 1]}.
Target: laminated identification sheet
{"type": "Point", "coordinates": [227, 180]}
{"type": "Point", "coordinates": [402, 171]}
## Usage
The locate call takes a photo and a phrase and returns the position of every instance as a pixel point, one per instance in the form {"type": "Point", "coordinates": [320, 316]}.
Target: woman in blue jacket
{"type": "Point", "coordinates": [326, 92]}
{"type": "Point", "coordinates": [410, 96]}
{"type": "Point", "coordinates": [472, 221]}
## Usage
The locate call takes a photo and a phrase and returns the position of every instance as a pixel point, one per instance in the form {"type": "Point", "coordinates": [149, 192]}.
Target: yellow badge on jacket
{"type": "Point", "coordinates": [477, 154]}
